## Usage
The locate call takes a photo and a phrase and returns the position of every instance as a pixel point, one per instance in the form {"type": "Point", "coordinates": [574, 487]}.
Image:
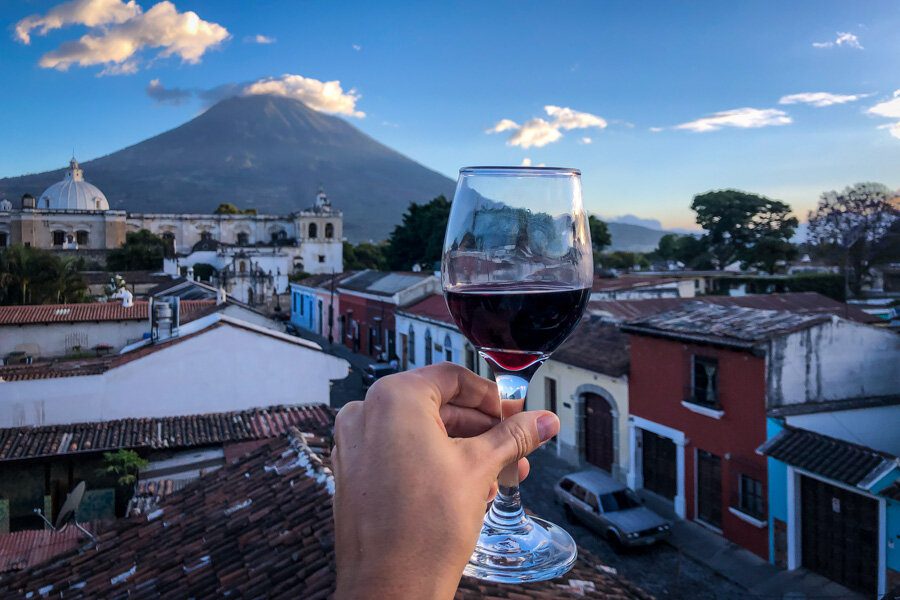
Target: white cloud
{"type": "Point", "coordinates": [566, 118]}
{"type": "Point", "coordinates": [357, 47]}
{"type": "Point", "coordinates": [185, 35]}
{"type": "Point", "coordinates": [535, 133]}
{"type": "Point", "coordinates": [586, 140]}
{"type": "Point", "coordinates": [260, 39]}
{"type": "Point", "coordinates": [656, 129]}
{"type": "Point", "coordinates": [526, 162]}
{"type": "Point", "coordinates": [77, 12]}
{"type": "Point", "coordinates": [503, 125]}
{"type": "Point", "coordinates": [539, 132]}
{"type": "Point", "coordinates": [843, 39]}
{"type": "Point", "coordinates": [742, 118]}
{"type": "Point", "coordinates": [820, 99]}
{"type": "Point", "coordinates": [324, 96]}
{"type": "Point", "coordinates": [889, 109]}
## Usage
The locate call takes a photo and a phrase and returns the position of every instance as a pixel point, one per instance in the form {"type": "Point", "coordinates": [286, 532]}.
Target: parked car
{"type": "Point", "coordinates": [376, 371]}
{"type": "Point", "coordinates": [608, 507]}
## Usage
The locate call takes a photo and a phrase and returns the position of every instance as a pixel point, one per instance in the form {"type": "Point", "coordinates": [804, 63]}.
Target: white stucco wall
{"type": "Point", "coordinates": [871, 427]}
{"type": "Point", "coordinates": [222, 369]}
{"type": "Point", "coordinates": [57, 339]}
{"type": "Point", "coordinates": [836, 360]}
{"type": "Point", "coordinates": [438, 332]}
{"type": "Point", "coordinates": [571, 382]}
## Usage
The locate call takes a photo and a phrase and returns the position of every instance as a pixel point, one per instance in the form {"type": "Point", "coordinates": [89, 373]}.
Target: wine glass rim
{"type": "Point", "coordinates": [518, 170]}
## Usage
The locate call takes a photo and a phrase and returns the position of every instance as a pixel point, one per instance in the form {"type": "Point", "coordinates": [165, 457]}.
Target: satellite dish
{"type": "Point", "coordinates": [70, 505]}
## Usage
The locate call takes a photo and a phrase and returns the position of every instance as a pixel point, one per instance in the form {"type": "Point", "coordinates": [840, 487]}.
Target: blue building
{"type": "Point", "coordinates": [834, 491]}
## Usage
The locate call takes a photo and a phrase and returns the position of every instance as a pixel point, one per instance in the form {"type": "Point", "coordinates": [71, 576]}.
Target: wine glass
{"type": "Point", "coordinates": [517, 270]}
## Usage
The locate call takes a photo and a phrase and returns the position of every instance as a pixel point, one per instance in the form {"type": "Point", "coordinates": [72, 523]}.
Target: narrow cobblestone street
{"type": "Point", "coordinates": [661, 569]}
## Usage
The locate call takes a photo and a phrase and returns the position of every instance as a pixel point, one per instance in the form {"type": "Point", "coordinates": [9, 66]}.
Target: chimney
{"type": "Point", "coordinates": [165, 318]}
{"type": "Point", "coordinates": [127, 298]}
{"type": "Point", "coordinates": [190, 273]}
{"type": "Point", "coordinates": [220, 296]}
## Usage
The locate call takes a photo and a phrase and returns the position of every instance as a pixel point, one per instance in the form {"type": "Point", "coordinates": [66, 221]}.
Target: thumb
{"type": "Point", "coordinates": [516, 437]}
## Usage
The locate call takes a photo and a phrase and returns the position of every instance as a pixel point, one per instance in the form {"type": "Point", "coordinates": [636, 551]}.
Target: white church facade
{"type": "Point", "coordinates": [73, 214]}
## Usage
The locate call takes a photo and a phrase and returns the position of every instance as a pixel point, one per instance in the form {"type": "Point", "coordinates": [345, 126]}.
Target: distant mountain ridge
{"type": "Point", "coordinates": [264, 152]}
{"type": "Point", "coordinates": [634, 238]}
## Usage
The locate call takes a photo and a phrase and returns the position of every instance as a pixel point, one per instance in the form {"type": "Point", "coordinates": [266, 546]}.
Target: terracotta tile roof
{"type": "Point", "coordinates": [39, 314]}
{"type": "Point", "coordinates": [596, 346]}
{"type": "Point", "coordinates": [724, 325]}
{"type": "Point", "coordinates": [801, 302]}
{"type": "Point", "coordinates": [827, 456]}
{"type": "Point", "coordinates": [130, 277]}
{"type": "Point", "coordinates": [24, 549]}
{"type": "Point", "coordinates": [433, 307]}
{"type": "Point", "coordinates": [259, 527]}
{"type": "Point", "coordinates": [19, 443]}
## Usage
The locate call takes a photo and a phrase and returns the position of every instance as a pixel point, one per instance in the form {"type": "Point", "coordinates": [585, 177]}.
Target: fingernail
{"type": "Point", "coordinates": [546, 426]}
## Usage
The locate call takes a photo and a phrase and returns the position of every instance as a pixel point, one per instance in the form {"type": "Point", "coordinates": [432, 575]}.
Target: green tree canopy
{"type": "Point", "coordinates": [35, 276]}
{"type": "Point", "coordinates": [419, 238]}
{"type": "Point", "coordinates": [123, 465]}
{"type": "Point", "coordinates": [142, 251]}
{"type": "Point", "coordinates": [743, 226]}
{"type": "Point", "coordinates": [624, 261]}
{"type": "Point", "coordinates": [600, 237]}
{"type": "Point", "coordinates": [227, 208]}
{"type": "Point", "coordinates": [364, 256]}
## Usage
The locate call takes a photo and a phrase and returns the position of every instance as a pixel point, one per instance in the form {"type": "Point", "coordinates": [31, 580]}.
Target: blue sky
{"type": "Point", "coordinates": [434, 78]}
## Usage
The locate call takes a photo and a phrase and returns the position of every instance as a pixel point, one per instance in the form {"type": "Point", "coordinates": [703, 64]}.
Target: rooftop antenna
{"type": "Point", "coordinates": [67, 512]}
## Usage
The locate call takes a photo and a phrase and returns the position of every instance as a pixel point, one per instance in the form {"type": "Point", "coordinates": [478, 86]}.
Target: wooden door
{"type": "Point", "coordinates": [839, 533]}
{"type": "Point", "coordinates": [709, 488]}
{"type": "Point", "coordinates": [598, 432]}
{"type": "Point", "coordinates": [658, 467]}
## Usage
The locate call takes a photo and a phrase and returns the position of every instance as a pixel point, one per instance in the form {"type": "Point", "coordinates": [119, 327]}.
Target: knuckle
{"type": "Point", "coordinates": [521, 438]}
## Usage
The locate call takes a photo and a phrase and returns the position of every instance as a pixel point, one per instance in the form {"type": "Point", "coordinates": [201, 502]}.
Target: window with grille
{"type": "Point", "coordinates": [705, 382]}
{"type": "Point", "coordinates": [751, 496]}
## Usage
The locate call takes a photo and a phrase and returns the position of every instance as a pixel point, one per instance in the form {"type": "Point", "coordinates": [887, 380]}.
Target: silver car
{"type": "Point", "coordinates": [608, 507]}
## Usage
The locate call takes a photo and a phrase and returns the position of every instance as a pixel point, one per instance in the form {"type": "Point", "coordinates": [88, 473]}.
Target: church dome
{"type": "Point", "coordinates": [73, 193]}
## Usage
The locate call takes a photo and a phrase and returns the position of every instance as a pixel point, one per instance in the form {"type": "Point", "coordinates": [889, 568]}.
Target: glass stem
{"type": "Point", "coordinates": [506, 510]}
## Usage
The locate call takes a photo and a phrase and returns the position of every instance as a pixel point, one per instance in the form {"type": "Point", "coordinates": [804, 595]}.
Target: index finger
{"type": "Point", "coordinates": [456, 385]}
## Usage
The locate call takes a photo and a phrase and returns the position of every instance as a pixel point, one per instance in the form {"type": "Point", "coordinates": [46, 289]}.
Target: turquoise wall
{"type": "Point", "coordinates": [777, 487]}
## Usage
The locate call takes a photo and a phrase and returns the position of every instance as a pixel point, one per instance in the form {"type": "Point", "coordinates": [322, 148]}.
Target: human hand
{"type": "Point", "coordinates": [414, 466]}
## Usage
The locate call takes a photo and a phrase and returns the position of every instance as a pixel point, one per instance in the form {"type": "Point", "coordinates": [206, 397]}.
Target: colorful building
{"type": "Point", "coordinates": [368, 301]}
{"type": "Point", "coordinates": [834, 491]}
{"type": "Point", "coordinates": [315, 304]}
{"type": "Point", "coordinates": [702, 378]}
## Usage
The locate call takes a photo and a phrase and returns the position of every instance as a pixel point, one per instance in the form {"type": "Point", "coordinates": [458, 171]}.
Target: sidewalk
{"type": "Point", "coordinates": [742, 567]}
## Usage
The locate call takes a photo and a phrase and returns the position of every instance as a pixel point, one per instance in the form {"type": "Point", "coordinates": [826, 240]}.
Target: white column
{"type": "Point", "coordinates": [793, 521]}
{"type": "Point", "coordinates": [633, 479]}
{"type": "Point", "coordinates": [679, 478]}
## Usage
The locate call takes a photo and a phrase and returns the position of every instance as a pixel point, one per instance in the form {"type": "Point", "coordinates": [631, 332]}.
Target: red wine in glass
{"type": "Point", "coordinates": [517, 325]}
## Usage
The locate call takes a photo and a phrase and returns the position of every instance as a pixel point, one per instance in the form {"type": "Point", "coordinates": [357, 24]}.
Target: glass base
{"type": "Point", "coordinates": [532, 550]}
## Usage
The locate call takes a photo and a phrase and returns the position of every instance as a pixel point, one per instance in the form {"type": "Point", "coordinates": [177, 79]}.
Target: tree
{"type": "Point", "coordinates": [67, 282]}
{"type": "Point", "coordinates": [142, 251]}
{"type": "Point", "coordinates": [364, 256]}
{"type": "Point", "coordinates": [419, 238]}
{"type": "Point", "coordinates": [227, 208]}
{"type": "Point", "coordinates": [667, 248]}
{"type": "Point", "coordinates": [124, 465]}
{"type": "Point", "coordinates": [736, 224]}
{"type": "Point", "coordinates": [35, 276]}
{"type": "Point", "coordinates": [624, 261]}
{"type": "Point", "coordinates": [600, 237]}
{"type": "Point", "coordinates": [854, 222]}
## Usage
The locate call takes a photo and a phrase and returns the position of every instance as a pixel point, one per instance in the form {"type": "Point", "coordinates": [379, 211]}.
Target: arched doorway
{"type": "Point", "coordinates": [599, 416]}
